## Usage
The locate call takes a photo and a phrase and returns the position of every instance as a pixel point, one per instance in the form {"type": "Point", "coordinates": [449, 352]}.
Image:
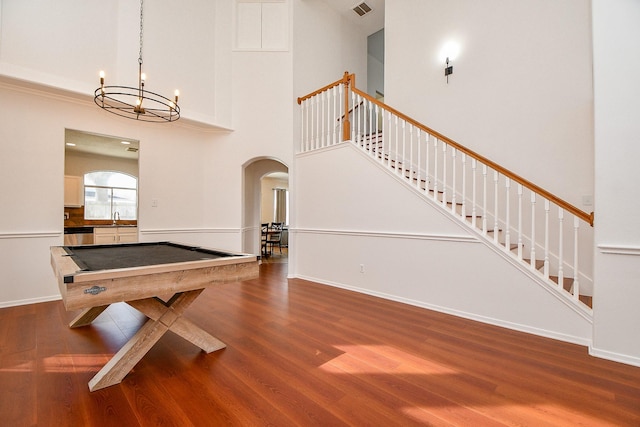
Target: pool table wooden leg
{"type": "Point", "coordinates": [87, 316]}
{"type": "Point", "coordinates": [163, 316]}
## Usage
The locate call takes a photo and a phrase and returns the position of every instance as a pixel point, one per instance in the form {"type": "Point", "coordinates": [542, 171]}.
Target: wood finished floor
{"type": "Point", "coordinates": [300, 353]}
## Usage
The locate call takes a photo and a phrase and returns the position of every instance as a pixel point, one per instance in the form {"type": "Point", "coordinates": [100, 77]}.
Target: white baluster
{"type": "Point", "coordinates": [333, 115]}
{"type": "Point", "coordinates": [362, 116]}
{"type": "Point", "coordinates": [411, 153]}
{"type": "Point", "coordinates": [520, 191]}
{"type": "Point", "coordinates": [357, 109]}
{"type": "Point", "coordinates": [324, 98]}
{"type": "Point", "coordinates": [353, 122]}
{"type": "Point", "coordinates": [444, 175]}
{"type": "Point", "coordinates": [463, 211]}
{"type": "Point", "coordinates": [507, 226]}
{"type": "Point", "coordinates": [303, 128]}
{"type": "Point", "coordinates": [495, 207]}
{"type": "Point", "coordinates": [389, 134]}
{"type": "Point", "coordinates": [418, 144]}
{"type": "Point", "coordinates": [342, 113]}
{"type": "Point", "coordinates": [435, 168]}
{"type": "Point", "coordinates": [533, 230]}
{"type": "Point", "coordinates": [453, 179]}
{"type": "Point", "coordinates": [484, 199]}
{"type": "Point", "coordinates": [376, 149]}
{"type": "Point", "coordinates": [370, 110]}
{"type": "Point", "coordinates": [332, 118]}
{"type": "Point", "coordinates": [402, 167]}
{"type": "Point", "coordinates": [546, 239]}
{"type": "Point", "coordinates": [474, 212]}
{"type": "Point", "coordinates": [427, 162]}
{"type": "Point", "coordinates": [560, 247]}
{"type": "Point", "coordinates": [576, 274]}
{"type": "Point", "coordinates": [318, 140]}
{"type": "Point", "coordinates": [397, 150]}
{"type": "Point", "coordinates": [313, 122]}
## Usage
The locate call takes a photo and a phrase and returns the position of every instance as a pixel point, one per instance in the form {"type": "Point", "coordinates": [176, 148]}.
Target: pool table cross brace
{"type": "Point", "coordinates": [163, 316]}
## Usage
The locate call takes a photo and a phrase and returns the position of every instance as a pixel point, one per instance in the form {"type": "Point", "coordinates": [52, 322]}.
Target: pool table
{"type": "Point", "coordinates": [91, 277]}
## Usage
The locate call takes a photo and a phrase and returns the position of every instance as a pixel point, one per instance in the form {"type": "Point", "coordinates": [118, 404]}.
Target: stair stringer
{"type": "Point", "coordinates": [516, 299]}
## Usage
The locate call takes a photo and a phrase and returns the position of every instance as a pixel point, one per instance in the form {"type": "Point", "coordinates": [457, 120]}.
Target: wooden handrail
{"type": "Point", "coordinates": [344, 80]}
{"type": "Point", "coordinates": [587, 217]}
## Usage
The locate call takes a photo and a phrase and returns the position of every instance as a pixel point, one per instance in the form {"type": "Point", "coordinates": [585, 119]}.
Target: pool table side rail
{"type": "Point", "coordinates": [128, 284]}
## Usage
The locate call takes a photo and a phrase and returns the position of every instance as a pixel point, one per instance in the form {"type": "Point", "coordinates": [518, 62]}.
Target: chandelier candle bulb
{"type": "Point", "coordinates": [102, 82]}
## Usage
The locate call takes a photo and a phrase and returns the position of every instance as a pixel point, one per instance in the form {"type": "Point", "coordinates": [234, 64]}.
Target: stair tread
{"type": "Point", "coordinates": [539, 264]}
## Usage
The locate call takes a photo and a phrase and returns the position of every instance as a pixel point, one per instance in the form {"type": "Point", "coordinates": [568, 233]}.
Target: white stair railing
{"type": "Point", "coordinates": [550, 234]}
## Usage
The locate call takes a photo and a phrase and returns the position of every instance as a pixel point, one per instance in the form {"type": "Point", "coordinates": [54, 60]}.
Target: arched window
{"type": "Point", "coordinates": [107, 193]}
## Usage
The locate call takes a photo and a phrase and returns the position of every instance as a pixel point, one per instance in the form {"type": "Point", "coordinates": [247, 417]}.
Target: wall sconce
{"type": "Point", "coordinates": [448, 70]}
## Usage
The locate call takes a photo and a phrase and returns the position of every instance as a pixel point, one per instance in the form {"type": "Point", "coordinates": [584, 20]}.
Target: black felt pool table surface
{"type": "Point", "coordinates": [108, 257]}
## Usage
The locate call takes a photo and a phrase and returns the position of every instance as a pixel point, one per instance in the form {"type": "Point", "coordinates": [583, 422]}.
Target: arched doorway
{"type": "Point", "coordinates": [254, 171]}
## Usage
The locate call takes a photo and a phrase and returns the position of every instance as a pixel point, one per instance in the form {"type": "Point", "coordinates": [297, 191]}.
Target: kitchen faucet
{"type": "Point", "coordinates": [116, 217]}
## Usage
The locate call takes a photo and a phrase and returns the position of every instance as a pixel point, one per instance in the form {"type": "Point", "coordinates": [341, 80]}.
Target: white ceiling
{"type": "Point", "coordinates": [371, 22]}
{"type": "Point", "coordinates": [103, 145]}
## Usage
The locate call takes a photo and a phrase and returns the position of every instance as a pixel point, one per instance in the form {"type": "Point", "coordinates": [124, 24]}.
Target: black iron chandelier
{"type": "Point", "coordinates": [137, 103]}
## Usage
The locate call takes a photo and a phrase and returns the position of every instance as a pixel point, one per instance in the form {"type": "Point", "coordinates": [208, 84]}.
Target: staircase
{"type": "Point", "coordinates": [372, 145]}
{"type": "Point", "coordinates": [537, 231]}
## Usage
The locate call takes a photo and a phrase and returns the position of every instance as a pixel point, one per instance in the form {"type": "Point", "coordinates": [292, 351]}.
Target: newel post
{"type": "Point", "coordinates": [346, 125]}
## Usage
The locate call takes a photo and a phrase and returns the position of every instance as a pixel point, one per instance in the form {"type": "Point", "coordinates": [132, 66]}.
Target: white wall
{"type": "Point", "coordinates": [616, 43]}
{"type": "Point", "coordinates": [325, 45]}
{"type": "Point", "coordinates": [78, 164]}
{"type": "Point", "coordinates": [521, 88]}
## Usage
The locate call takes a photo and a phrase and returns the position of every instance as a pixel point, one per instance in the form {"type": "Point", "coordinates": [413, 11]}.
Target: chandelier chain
{"type": "Point", "coordinates": [140, 55]}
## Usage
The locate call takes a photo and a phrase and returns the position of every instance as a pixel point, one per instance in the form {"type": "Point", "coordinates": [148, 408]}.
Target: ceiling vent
{"type": "Point", "coordinates": [362, 9]}
{"type": "Point", "coordinates": [132, 149]}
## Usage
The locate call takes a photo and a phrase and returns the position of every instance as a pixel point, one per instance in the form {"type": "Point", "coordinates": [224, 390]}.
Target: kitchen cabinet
{"type": "Point", "coordinates": [73, 191]}
{"type": "Point", "coordinates": [115, 234]}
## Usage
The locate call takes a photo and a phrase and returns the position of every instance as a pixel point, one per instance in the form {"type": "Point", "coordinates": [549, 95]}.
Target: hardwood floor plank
{"type": "Point", "coordinates": [18, 387]}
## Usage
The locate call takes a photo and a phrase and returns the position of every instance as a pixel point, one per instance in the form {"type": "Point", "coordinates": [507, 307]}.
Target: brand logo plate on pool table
{"type": "Point", "coordinates": [95, 290]}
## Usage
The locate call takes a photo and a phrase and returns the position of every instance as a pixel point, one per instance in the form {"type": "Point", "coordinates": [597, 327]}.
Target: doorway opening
{"type": "Point", "coordinates": [266, 188]}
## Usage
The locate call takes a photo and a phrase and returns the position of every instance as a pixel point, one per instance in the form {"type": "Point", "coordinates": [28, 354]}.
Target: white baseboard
{"type": "Point", "coordinates": [15, 303]}
{"type": "Point", "coordinates": [615, 357]}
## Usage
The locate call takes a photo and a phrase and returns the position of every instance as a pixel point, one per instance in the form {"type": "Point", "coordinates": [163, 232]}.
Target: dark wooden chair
{"type": "Point", "coordinates": [274, 237]}
{"type": "Point", "coordinates": [264, 232]}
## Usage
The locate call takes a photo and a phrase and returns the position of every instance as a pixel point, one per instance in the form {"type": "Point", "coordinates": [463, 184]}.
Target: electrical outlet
{"type": "Point", "coordinates": [587, 200]}
{"type": "Point", "coordinates": [361, 268]}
